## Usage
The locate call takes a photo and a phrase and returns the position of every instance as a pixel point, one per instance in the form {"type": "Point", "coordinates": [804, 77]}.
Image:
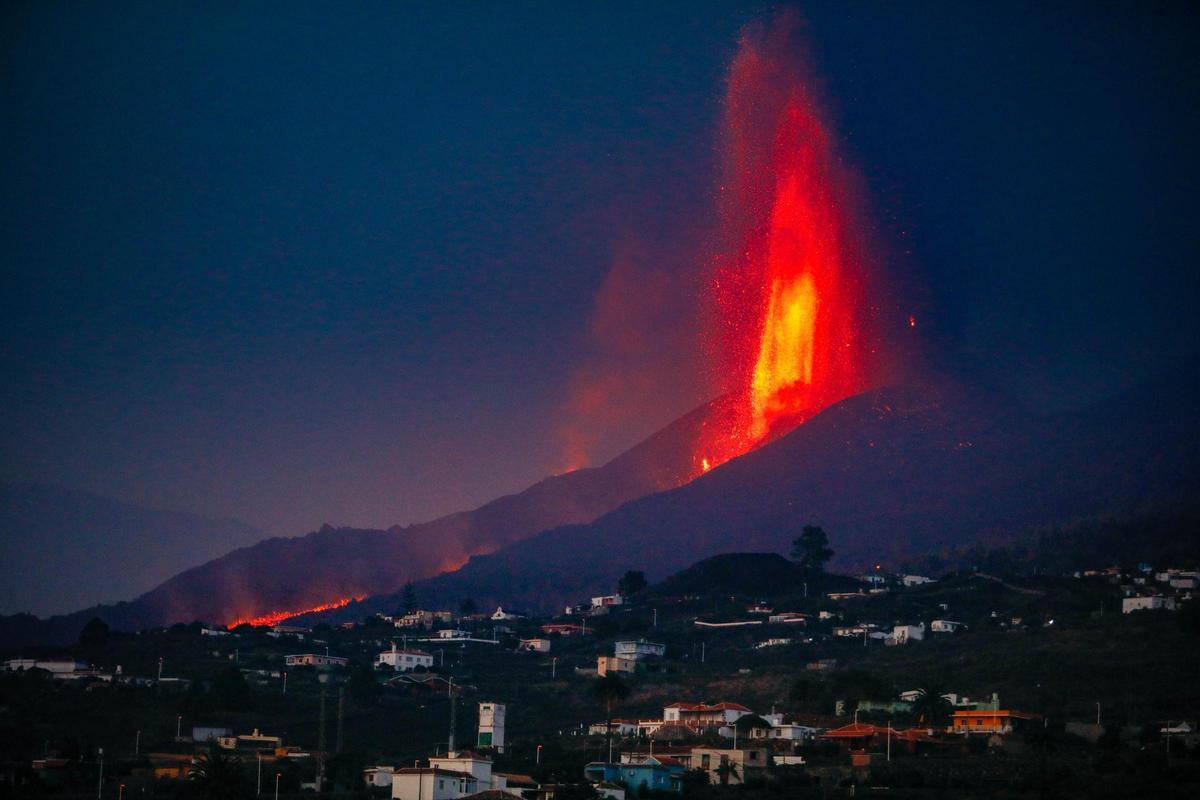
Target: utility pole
{"type": "Point", "coordinates": [100, 782]}
{"type": "Point", "coordinates": [258, 784]}
{"type": "Point", "coordinates": [137, 743]}
{"type": "Point", "coordinates": [553, 667]}
{"type": "Point", "coordinates": [702, 652]}
{"type": "Point", "coordinates": [160, 660]}
{"type": "Point", "coordinates": [285, 682]}
{"type": "Point", "coordinates": [453, 709]}
{"type": "Point", "coordinates": [341, 717]}
{"type": "Point", "coordinates": [178, 727]}
{"type": "Point", "coordinates": [321, 745]}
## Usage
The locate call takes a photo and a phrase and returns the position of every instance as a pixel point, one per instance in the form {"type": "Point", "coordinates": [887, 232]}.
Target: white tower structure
{"type": "Point", "coordinates": [491, 726]}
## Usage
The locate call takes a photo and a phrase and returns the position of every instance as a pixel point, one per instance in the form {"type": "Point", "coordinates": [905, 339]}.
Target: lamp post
{"type": "Point", "coordinates": [285, 683]}
{"type": "Point", "coordinates": [538, 758]}
{"type": "Point", "coordinates": [178, 727]}
{"type": "Point", "coordinates": [258, 785]}
{"type": "Point", "coordinates": [137, 743]}
{"type": "Point", "coordinates": [100, 783]}
{"type": "Point", "coordinates": [278, 775]}
{"type": "Point", "coordinates": [121, 792]}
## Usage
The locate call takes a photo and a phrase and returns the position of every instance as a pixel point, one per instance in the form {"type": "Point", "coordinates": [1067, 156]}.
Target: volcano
{"type": "Point", "coordinates": [891, 473]}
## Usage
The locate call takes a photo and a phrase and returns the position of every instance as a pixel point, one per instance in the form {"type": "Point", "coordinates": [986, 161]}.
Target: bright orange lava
{"type": "Point", "coordinates": [791, 299]}
{"type": "Point", "coordinates": [275, 617]}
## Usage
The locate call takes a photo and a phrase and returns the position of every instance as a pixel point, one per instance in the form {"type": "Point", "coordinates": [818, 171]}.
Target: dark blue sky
{"type": "Point", "coordinates": [299, 263]}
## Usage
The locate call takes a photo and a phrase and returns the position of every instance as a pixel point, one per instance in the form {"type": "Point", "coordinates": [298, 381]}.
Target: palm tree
{"type": "Point", "coordinates": [609, 689]}
{"type": "Point", "coordinates": [217, 776]}
{"type": "Point", "coordinates": [931, 706]}
{"type": "Point", "coordinates": [726, 770]}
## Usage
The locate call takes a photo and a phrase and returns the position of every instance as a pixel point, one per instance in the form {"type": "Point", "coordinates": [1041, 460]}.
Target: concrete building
{"type": "Point", "coordinates": [431, 783]}
{"type": "Point", "coordinates": [404, 660]}
{"type": "Point", "coordinates": [315, 660]}
{"type": "Point", "coordinates": [491, 726]}
{"type": "Point", "coordinates": [639, 649]}
{"type": "Point", "coordinates": [1150, 603]}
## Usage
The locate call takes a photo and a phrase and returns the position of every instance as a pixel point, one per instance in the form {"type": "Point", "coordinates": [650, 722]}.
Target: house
{"type": "Point", "coordinates": [453, 633]}
{"type": "Point", "coordinates": [378, 776]}
{"type": "Point", "coordinates": [607, 664]}
{"type": "Point", "coordinates": [945, 626]}
{"type": "Point", "coordinates": [914, 580]}
{"type": "Point", "coordinates": [822, 665]}
{"type": "Point", "coordinates": [60, 669]}
{"type": "Point", "coordinates": [564, 629]}
{"type": "Point", "coordinates": [823, 615]}
{"type": "Point", "coordinates": [620, 727]}
{"type": "Point", "coordinates": [432, 783]}
{"type": "Point", "coordinates": [989, 721]}
{"type": "Point", "coordinates": [608, 600]}
{"type": "Point", "coordinates": [609, 791]}
{"type": "Point", "coordinates": [787, 617]}
{"type": "Point", "coordinates": [775, 642]}
{"type": "Point", "coordinates": [479, 767]}
{"type": "Point", "coordinates": [792, 730]}
{"type": "Point", "coordinates": [760, 608]}
{"type": "Point", "coordinates": [315, 660]}
{"type": "Point", "coordinates": [404, 660]}
{"type": "Point", "coordinates": [424, 619]}
{"type": "Point", "coordinates": [1148, 603]}
{"type": "Point", "coordinates": [654, 772]}
{"type": "Point", "coordinates": [499, 615]}
{"type": "Point", "coordinates": [639, 649]}
{"type": "Point", "coordinates": [535, 645]}
{"type": "Point", "coordinates": [861, 629]}
{"type": "Point", "coordinates": [255, 741]}
{"type": "Point", "coordinates": [702, 715]}
{"type": "Point", "coordinates": [903, 634]}
{"type": "Point", "coordinates": [730, 766]}
{"type": "Point", "coordinates": [210, 733]}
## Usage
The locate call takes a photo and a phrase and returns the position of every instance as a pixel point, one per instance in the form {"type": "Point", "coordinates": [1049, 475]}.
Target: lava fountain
{"type": "Point", "coordinates": [793, 324]}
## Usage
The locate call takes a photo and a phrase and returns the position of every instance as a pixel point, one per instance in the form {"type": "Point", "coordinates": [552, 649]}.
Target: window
{"type": "Point", "coordinates": [754, 755]}
{"type": "Point", "coordinates": [485, 739]}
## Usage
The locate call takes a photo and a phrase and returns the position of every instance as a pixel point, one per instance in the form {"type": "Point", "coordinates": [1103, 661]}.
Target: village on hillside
{"type": "Point", "coordinates": [835, 684]}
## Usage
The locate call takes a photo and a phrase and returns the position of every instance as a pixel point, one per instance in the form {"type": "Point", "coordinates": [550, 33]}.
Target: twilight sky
{"type": "Point", "coordinates": [295, 263]}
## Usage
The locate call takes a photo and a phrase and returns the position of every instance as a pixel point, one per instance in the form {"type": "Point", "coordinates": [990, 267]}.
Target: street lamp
{"type": "Point", "coordinates": [538, 759]}
{"type": "Point", "coordinates": [278, 775]}
{"type": "Point", "coordinates": [258, 786]}
{"type": "Point", "coordinates": [137, 743]}
{"type": "Point", "coordinates": [100, 783]}
{"type": "Point", "coordinates": [178, 727]}
{"type": "Point", "coordinates": [121, 792]}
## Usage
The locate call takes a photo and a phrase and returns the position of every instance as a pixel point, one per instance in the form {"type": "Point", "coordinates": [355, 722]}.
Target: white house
{"type": "Point", "coordinates": [775, 642]}
{"type": "Point", "coordinates": [1150, 603]}
{"type": "Point", "coordinates": [620, 727]}
{"type": "Point", "coordinates": [378, 776]}
{"type": "Point", "coordinates": [914, 580]}
{"type": "Point", "coordinates": [903, 634]}
{"type": "Point", "coordinates": [432, 783]}
{"type": "Point", "coordinates": [404, 660]}
{"type": "Point", "coordinates": [703, 715]}
{"type": "Point", "coordinates": [535, 645]}
{"type": "Point", "coordinates": [945, 626]}
{"type": "Point", "coordinates": [315, 660]}
{"type": "Point", "coordinates": [491, 725]}
{"type": "Point", "coordinates": [477, 766]}
{"type": "Point", "coordinates": [608, 600]}
{"type": "Point", "coordinates": [452, 633]}
{"type": "Point", "coordinates": [639, 649]}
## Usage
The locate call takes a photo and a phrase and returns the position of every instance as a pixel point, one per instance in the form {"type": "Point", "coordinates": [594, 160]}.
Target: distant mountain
{"type": "Point", "coordinates": [890, 473]}
{"type": "Point", "coordinates": [289, 575]}
{"type": "Point", "coordinates": [62, 549]}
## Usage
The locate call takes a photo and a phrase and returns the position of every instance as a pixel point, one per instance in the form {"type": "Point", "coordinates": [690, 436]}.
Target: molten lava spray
{"type": "Point", "coordinates": [793, 322]}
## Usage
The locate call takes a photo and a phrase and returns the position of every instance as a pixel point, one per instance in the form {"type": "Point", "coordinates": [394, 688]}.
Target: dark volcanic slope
{"type": "Point", "coordinates": [887, 473]}
{"type": "Point", "coordinates": [292, 574]}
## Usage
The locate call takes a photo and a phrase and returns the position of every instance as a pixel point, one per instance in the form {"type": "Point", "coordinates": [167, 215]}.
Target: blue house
{"type": "Point", "coordinates": [653, 773]}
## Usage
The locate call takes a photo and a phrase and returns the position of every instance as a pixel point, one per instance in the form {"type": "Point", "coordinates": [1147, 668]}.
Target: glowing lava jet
{"type": "Point", "coordinates": [793, 317]}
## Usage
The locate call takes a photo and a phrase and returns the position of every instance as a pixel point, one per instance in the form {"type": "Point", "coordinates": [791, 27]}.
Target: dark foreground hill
{"type": "Point", "coordinates": [293, 574]}
{"type": "Point", "coordinates": [888, 474]}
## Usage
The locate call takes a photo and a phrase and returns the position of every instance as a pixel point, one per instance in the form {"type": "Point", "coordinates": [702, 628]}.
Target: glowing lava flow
{"type": "Point", "coordinates": [792, 311]}
{"type": "Point", "coordinates": [275, 617]}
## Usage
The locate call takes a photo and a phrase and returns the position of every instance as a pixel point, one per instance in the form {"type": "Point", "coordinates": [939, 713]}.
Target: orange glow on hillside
{"type": "Point", "coordinates": [276, 617]}
{"type": "Point", "coordinates": [792, 313]}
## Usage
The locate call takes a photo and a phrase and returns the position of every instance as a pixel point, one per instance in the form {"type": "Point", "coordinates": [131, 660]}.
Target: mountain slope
{"type": "Point", "coordinates": [888, 473]}
{"type": "Point", "coordinates": [63, 549]}
{"type": "Point", "coordinates": [293, 574]}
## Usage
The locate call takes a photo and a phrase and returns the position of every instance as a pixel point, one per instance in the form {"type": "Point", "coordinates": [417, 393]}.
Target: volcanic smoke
{"type": "Point", "coordinates": [792, 336]}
